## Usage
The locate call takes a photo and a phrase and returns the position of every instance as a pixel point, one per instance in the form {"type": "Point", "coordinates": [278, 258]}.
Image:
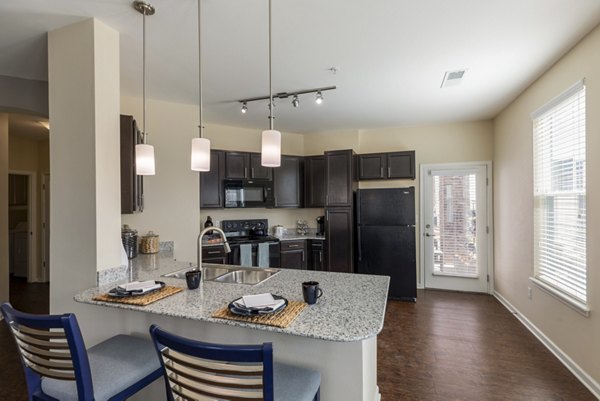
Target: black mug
{"type": "Point", "coordinates": [311, 292]}
{"type": "Point", "coordinates": [192, 278]}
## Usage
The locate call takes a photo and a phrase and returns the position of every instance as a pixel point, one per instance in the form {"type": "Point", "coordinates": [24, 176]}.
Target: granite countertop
{"type": "Point", "coordinates": [352, 307]}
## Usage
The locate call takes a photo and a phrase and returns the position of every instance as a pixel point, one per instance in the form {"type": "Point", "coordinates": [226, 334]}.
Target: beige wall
{"type": "Point", "coordinates": [576, 335]}
{"type": "Point", "coordinates": [27, 154]}
{"type": "Point", "coordinates": [4, 290]}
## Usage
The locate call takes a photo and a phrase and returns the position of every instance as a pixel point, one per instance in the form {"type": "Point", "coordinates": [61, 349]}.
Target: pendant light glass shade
{"type": "Point", "coordinates": [200, 154]}
{"type": "Point", "coordinates": [271, 148]}
{"type": "Point", "coordinates": [144, 159]}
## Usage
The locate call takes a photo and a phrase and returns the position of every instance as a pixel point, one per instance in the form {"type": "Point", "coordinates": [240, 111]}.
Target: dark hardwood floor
{"type": "Point", "coordinates": [452, 346]}
{"type": "Point", "coordinates": [446, 347]}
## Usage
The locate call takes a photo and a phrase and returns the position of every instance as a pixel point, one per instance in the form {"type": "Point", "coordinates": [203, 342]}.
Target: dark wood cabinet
{"type": "Point", "coordinates": [214, 254]}
{"type": "Point", "coordinates": [372, 166]}
{"type": "Point", "coordinates": [239, 165]}
{"type": "Point", "coordinates": [339, 178]}
{"type": "Point", "coordinates": [211, 182]}
{"type": "Point", "coordinates": [317, 260]}
{"type": "Point", "coordinates": [288, 182]}
{"type": "Point", "coordinates": [339, 232]}
{"type": "Point", "coordinates": [293, 254]}
{"type": "Point", "coordinates": [314, 181]}
{"type": "Point", "coordinates": [132, 185]}
{"type": "Point", "coordinates": [257, 171]}
{"type": "Point", "coordinates": [382, 166]}
{"type": "Point", "coordinates": [401, 165]}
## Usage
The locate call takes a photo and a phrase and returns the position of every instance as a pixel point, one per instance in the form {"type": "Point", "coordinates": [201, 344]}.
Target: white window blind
{"type": "Point", "coordinates": [560, 193]}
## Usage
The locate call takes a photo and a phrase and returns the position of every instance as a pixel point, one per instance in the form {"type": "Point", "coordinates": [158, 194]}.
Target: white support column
{"type": "Point", "coordinates": [83, 75]}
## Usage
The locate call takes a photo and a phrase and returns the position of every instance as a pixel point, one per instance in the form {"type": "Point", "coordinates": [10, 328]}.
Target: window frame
{"type": "Point", "coordinates": [580, 305]}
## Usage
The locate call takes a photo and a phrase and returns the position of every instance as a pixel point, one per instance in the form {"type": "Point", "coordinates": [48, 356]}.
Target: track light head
{"type": "Point", "coordinates": [244, 108]}
{"type": "Point", "coordinates": [295, 101]}
{"type": "Point", "coordinates": [319, 98]}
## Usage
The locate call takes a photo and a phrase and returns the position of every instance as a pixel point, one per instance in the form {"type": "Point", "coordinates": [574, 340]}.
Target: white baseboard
{"type": "Point", "coordinates": [377, 394]}
{"type": "Point", "coordinates": [569, 363]}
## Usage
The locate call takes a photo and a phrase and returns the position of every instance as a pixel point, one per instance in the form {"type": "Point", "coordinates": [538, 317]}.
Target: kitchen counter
{"type": "Point", "coordinates": [337, 336]}
{"type": "Point", "coordinates": [352, 307]}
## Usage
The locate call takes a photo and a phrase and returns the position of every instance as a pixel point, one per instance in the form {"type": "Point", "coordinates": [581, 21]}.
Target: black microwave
{"type": "Point", "coordinates": [248, 193]}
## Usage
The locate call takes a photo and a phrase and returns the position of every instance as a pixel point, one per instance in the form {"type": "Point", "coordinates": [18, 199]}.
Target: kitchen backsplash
{"type": "Point", "coordinates": [283, 217]}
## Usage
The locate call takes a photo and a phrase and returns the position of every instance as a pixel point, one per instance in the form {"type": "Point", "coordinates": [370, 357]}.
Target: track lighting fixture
{"type": "Point", "coordinates": [319, 98]}
{"type": "Point", "coordinates": [284, 95]}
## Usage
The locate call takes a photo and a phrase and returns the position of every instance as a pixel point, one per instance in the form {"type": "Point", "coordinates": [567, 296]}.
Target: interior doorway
{"type": "Point", "coordinates": [456, 226]}
{"type": "Point", "coordinates": [21, 225]}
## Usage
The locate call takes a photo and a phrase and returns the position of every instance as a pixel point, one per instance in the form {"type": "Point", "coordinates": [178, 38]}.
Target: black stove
{"type": "Point", "coordinates": [253, 233]}
{"type": "Point", "coordinates": [247, 231]}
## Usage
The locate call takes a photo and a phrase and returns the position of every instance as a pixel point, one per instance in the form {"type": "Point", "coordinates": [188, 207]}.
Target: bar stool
{"type": "Point", "coordinates": [58, 367]}
{"type": "Point", "coordinates": [194, 370]}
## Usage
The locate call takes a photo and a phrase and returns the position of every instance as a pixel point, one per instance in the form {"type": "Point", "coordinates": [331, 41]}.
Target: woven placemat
{"type": "Point", "coordinates": [140, 300]}
{"type": "Point", "coordinates": [279, 319]}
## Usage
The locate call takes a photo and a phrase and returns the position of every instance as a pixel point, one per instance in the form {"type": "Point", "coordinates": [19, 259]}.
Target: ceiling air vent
{"type": "Point", "coordinates": [453, 78]}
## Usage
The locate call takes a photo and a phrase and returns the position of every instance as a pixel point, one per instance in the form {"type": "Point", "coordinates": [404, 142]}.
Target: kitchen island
{"type": "Point", "coordinates": [337, 336]}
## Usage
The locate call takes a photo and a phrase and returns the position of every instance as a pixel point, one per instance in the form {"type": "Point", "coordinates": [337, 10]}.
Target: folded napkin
{"type": "Point", "coordinates": [140, 286]}
{"type": "Point", "coordinates": [259, 302]}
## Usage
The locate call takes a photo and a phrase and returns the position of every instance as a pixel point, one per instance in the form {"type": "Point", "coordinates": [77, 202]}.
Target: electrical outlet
{"type": "Point", "coordinates": [529, 292]}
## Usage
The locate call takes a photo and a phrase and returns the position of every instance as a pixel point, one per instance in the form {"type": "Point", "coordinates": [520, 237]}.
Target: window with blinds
{"type": "Point", "coordinates": [560, 193]}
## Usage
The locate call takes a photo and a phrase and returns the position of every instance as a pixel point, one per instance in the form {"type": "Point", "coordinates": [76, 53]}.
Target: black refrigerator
{"type": "Point", "coordinates": [385, 230]}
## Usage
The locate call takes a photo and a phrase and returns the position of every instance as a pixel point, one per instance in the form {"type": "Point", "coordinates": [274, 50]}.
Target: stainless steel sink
{"type": "Point", "coordinates": [234, 275]}
{"type": "Point", "coordinates": [246, 276]}
{"type": "Point", "coordinates": [209, 272]}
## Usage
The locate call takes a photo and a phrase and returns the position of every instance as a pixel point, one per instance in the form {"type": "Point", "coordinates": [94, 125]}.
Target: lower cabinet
{"type": "Point", "coordinates": [317, 260]}
{"type": "Point", "coordinates": [293, 254]}
{"type": "Point", "coordinates": [339, 231]}
{"type": "Point", "coordinates": [214, 254]}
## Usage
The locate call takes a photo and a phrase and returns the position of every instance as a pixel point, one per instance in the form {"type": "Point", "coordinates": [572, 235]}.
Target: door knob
{"type": "Point", "coordinates": [427, 235]}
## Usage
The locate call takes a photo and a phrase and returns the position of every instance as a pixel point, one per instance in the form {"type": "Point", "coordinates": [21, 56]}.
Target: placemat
{"type": "Point", "coordinates": [141, 300]}
{"type": "Point", "coordinates": [279, 319]}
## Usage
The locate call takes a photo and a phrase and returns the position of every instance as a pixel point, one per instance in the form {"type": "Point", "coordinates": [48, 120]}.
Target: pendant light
{"type": "Point", "coordinates": [144, 153]}
{"type": "Point", "coordinates": [200, 146]}
{"type": "Point", "coordinates": [271, 139]}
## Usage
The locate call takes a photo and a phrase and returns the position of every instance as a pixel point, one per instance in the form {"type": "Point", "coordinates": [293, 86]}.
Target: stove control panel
{"type": "Point", "coordinates": [244, 227]}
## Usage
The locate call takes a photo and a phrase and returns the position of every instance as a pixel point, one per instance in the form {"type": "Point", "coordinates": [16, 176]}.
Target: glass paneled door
{"type": "Point", "coordinates": [455, 227]}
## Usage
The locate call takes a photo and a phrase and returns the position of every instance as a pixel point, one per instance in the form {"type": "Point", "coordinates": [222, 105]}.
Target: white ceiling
{"type": "Point", "coordinates": [391, 54]}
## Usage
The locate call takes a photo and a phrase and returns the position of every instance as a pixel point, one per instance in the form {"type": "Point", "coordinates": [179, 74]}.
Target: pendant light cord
{"type": "Point", "coordinates": [144, 74]}
{"type": "Point", "coordinates": [271, 117]}
{"type": "Point", "coordinates": [200, 127]}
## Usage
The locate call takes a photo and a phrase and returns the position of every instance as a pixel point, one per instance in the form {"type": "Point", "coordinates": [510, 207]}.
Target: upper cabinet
{"type": "Point", "coordinates": [382, 166]}
{"type": "Point", "coordinates": [240, 165]}
{"type": "Point", "coordinates": [132, 185]}
{"type": "Point", "coordinates": [339, 178]}
{"type": "Point", "coordinates": [211, 182]}
{"type": "Point", "coordinates": [314, 181]}
{"type": "Point", "coordinates": [288, 182]}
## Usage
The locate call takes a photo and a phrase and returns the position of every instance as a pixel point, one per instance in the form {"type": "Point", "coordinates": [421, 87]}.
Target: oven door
{"type": "Point", "coordinates": [235, 257]}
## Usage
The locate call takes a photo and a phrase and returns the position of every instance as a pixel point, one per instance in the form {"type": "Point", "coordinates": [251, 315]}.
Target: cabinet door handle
{"type": "Point", "coordinates": [381, 174]}
{"type": "Point", "coordinates": [303, 256]}
{"type": "Point", "coordinates": [293, 246]}
{"type": "Point", "coordinates": [389, 171]}
{"type": "Point", "coordinates": [213, 252]}
{"type": "Point", "coordinates": [252, 172]}
{"type": "Point", "coordinates": [321, 257]}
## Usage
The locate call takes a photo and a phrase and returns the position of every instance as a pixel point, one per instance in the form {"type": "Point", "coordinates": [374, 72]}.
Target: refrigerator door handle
{"type": "Point", "coordinates": [359, 244]}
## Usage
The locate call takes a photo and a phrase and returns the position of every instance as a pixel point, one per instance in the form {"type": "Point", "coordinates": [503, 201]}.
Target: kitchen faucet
{"type": "Point", "coordinates": [199, 244]}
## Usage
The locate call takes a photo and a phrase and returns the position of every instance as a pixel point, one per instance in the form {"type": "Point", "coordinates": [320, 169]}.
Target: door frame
{"type": "Point", "coordinates": [490, 214]}
{"type": "Point", "coordinates": [45, 227]}
{"type": "Point", "coordinates": [32, 220]}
